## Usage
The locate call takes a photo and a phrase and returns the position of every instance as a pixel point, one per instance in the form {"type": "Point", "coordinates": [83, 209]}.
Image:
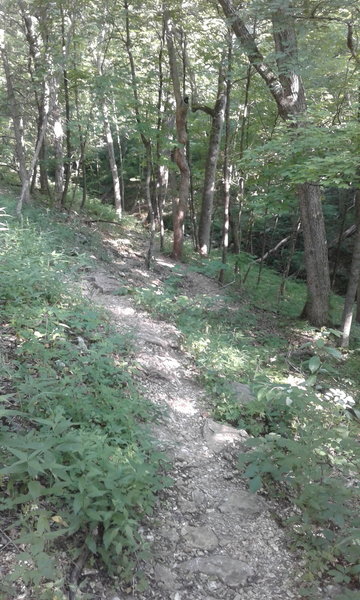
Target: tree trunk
{"type": "Point", "coordinates": [145, 140]}
{"type": "Point", "coordinates": [226, 165]}
{"type": "Point", "coordinates": [35, 68]}
{"type": "Point", "coordinates": [180, 202]}
{"type": "Point", "coordinates": [287, 89]}
{"type": "Point", "coordinates": [316, 309]}
{"type": "Point", "coordinates": [67, 162]}
{"type": "Point", "coordinates": [357, 316]}
{"type": "Point", "coordinates": [353, 283]}
{"type": "Point", "coordinates": [59, 157]}
{"type": "Point", "coordinates": [237, 225]}
{"type": "Point", "coordinates": [18, 127]}
{"type": "Point", "coordinates": [211, 166]}
{"type": "Point", "coordinates": [82, 138]}
{"type": "Point", "coordinates": [150, 251]}
{"type": "Point", "coordinates": [161, 171]}
{"type": "Point", "coordinates": [120, 160]}
{"type": "Point", "coordinates": [112, 161]}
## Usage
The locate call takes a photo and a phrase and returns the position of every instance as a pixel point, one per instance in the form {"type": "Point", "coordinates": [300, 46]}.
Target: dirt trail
{"type": "Point", "coordinates": [210, 538]}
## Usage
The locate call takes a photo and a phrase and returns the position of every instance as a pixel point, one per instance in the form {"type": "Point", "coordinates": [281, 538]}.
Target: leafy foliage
{"type": "Point", "coordinates": [310, 459]}
{"type": "Point", "coordinates": [78, 466]}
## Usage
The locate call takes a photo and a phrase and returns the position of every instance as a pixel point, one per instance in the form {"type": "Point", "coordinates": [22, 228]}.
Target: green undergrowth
{"type": "Point", "coordinates": [78, 467]}
{"type": "Point", "coordinates": [304, 416]}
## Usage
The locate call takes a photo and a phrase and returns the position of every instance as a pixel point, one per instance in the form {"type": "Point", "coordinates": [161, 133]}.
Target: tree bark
{"type": "Point", "coordinates": [17, 124]}
{"type": "Point", "coordinates": [316, 308]}
{"type": "Point", "coordinates": [287, 89]}
{"type": "Point", "coordinates": [226, 165]}
{"type": "Point", "coordinates": [59, 157]}
{"type": "Point", "coordinates": [353, 283]}
{"type": "Point", "coordinates": [112, 160]}
{"type": "Point", "coordinates": [179, 154]}
{"type": "Point", "coordinates": [211, 164]}
{"type": "Point", "coordinates": [67, 162]}
{"type": "Point", "coordinates": [35, 68]}
{"type": "Point", "coordinates": [145, 140]}
{"type": "Point", "coordinates": [120, 159]}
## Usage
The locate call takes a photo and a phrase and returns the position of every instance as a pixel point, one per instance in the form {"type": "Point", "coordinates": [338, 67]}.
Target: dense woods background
{"type": "Point", "coordinates": [126, 102]}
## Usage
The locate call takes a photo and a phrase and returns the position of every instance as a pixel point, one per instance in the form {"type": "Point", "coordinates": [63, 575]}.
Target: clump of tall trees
{"type": "Point", "coordinates": [235, 119]}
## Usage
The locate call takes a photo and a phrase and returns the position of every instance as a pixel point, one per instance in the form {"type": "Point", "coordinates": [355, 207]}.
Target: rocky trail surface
{"type": "Point", "coordinates": [210, 538]}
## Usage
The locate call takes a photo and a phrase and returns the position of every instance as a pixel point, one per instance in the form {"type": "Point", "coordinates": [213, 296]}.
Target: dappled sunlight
{"type": "Point", "coordinates": [183, 405]}
{"type": "Point", "coordinates": [123, 311]}
{"type": "Point", "coordinates": [166, 263]}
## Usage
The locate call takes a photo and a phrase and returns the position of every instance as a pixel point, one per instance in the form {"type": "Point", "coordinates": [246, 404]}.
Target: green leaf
{"type": "Point", "coordinates": [35, 489]}
{"type": "Point", "coordinates": [90, 543]}
{"type": "Point", "coordinates": [109, 536]}
{"type": "Point", "coordinates": [314, 364]}
{"type": "Point", "coordinates": [255, 484]}
{"type": "Point", "coordinates": [333, 352]}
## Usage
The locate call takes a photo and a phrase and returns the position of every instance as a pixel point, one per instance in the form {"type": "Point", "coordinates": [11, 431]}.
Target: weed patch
{"type": "Point", "coordinates": [78, 468]}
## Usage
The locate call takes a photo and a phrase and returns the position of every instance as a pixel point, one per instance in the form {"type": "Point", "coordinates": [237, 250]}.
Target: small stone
{"type": "Point", "coordinates": [230, 571]}
{"type": "Point", "coordinates": [169, 534]}
{"type": "Point", "coordinates": [187, 507]}
{"type": "Point", "coordinates": [240, 501]}
{"type": "Point", "coordinates": [81, 344]}
{"type": "Point", "coordinates": [333, 591]}
{"type": "Point", "coordinates": [164, 575]}
{"type": "Point", "coordinates": [198, 496]}
{"type": "Point", "coordinates": [200, 537]}
{"type": "Point", "coordinates": [218, 436]}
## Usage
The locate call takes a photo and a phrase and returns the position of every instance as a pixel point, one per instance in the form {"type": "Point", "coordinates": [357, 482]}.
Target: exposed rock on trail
{"type": "Point", "coordinates": [210, 538]}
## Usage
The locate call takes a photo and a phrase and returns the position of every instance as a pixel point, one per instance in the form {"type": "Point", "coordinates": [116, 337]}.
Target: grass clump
{"type": "Point", "coordinates": [78, 468]}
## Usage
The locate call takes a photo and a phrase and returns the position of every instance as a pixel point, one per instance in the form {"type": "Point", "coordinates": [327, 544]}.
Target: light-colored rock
{"type": "Point", "coordinates": [165, 576]}
{"type": "Point", "coordinates": [242, 501]}
{"type": "Point", "coordinates": [105, 284]}
{"type": "Point", "coordinates": [230, 571]}
{"type": "Point", "coordinates": [198, 496]}
{"type": "Point", "coordinates": [218, 436]}
{"type": "Point", "coordinates": [148, 338]}
{"type": "Point", "coordinates": [187, 507]}
{"type": "Point", "coordinates": [170, 534]}
{"type": "Point", "coordinates": [200, 537]}
{"type": "Point", "coordinates": [333, 591]}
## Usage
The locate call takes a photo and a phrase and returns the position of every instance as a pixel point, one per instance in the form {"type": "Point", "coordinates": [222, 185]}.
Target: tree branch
{"type": "Point", "coordinates": [255, 56]}
{"type": "Point", "coordinates": [206, 109]}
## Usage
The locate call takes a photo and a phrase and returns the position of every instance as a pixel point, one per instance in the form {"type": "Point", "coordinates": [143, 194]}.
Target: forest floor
{"type": "Point", "coordinates": [209, 537]}
{"type": "Point", "coordinates": [191, 346]}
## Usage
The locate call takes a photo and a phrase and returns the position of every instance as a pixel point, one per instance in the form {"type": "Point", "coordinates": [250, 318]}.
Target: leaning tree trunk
{"type": "Point", "coordinates": [287, 89]}
{"type": "Point", "coordinates": [180, 202]}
